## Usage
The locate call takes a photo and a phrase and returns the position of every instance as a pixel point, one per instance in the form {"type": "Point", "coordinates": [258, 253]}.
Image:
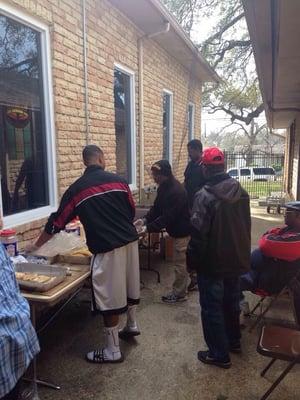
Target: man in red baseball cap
{"type": "Point", "coordinates": [219, 250]}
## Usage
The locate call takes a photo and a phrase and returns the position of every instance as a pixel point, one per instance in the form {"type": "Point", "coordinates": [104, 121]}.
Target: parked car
{"type": "Point", "coordinates": [262, 174]}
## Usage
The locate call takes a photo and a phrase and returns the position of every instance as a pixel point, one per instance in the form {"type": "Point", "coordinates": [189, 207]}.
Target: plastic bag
{"type": "Point", "coordinates": [18, 259]}
{"type": "Point", "coordinates": [61, 243]}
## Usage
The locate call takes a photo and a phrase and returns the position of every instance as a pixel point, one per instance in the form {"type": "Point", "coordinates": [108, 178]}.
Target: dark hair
{"type": "Point", "coordinates": [195, 144]}
{"type": "Point", "coordinates": [162, 167]}
{"type": "Point", "coordinates": [91, 152]}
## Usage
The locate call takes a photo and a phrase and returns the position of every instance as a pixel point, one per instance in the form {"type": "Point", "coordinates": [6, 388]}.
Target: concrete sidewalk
{"type": "Point", "coordinates": [262, 221]}
{"type": "Point", "coordinates": [162, 363]}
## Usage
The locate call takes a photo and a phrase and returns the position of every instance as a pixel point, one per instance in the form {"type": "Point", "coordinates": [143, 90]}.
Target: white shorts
{"type": "Point", "coordinates": [116, 280]}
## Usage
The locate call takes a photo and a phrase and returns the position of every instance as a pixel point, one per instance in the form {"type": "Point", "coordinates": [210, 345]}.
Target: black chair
{"type": "Point", "coordinates": [281, 343]}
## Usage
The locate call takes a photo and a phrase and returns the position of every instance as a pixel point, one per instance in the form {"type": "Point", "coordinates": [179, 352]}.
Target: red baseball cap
{"type": "Point", "coordinates": [212, 156]}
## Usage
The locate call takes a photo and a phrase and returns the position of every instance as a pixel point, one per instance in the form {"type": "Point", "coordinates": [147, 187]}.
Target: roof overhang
{"type": "Point", "coordinates": [275, 30]}
{"type": "Point", "coordinates": [151, 16]}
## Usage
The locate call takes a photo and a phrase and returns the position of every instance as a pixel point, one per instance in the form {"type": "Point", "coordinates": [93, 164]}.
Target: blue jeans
{"type": "Point", "coordinates": [268, 273]}
{"type": "Point", "coordinates": [220, 314]}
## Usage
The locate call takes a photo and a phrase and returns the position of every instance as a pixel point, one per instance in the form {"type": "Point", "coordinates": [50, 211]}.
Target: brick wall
{"type": "Point", "coordinates": [161, 72]}
{"type": "Point", "coordinates": [111, 38]}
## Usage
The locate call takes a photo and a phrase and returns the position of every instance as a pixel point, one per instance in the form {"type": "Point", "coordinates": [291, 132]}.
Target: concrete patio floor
{"type": "Point", "coordinates": [162, 362]}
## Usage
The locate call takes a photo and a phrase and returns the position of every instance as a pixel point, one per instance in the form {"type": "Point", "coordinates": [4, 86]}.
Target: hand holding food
{"type": "Point", "coordinates": [139, 223]}
{"type": "Point", "coordinates": [140, 226]}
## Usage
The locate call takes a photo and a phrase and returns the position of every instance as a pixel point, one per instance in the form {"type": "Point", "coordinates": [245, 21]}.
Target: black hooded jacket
{"type": "Point", "coordinates": [193, 180]}
{"type": "Point", "coordinates": [220, 244]}
{"type": "Point", "coordinates": [170, 210]}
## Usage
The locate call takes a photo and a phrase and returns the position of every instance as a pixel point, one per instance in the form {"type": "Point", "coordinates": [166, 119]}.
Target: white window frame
{"type": "Point", "coordinates": [42, 212]}
{"type": "Point", "coordinates": [171, 119]}
{"type": "Point", "coordinates": [192, 135]}
{"type": "Point", "coordinates": [129, 72]}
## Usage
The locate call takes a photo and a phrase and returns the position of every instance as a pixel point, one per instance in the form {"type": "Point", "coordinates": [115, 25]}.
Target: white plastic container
{"type": "Point", "coordinates": [8, 238]}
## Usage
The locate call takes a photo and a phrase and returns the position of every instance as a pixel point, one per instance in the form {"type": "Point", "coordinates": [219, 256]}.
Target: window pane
{"type": "Point", "coordinates": [123, 128]}
{"type": "Point", "coordinates": [245, 172]}
{"type": "Point", "coordinates": [166, 126]}
{"type": "Point", "coordinates": [233, 172]}
{"type": "Point", "coordinates": [23, 167]}
{"type": "Point", "coordinates": [263, 171]}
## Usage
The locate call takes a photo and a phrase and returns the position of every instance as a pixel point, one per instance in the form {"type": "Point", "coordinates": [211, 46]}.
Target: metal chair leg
{"type": "Point", "coordinates": [268, 367]}
{"type": "Point", "coordinates": [278, 380]}
{"type": "Point", "coordinates": [261, 315]}
{"type": "Point", "coordinates": [257, 305]}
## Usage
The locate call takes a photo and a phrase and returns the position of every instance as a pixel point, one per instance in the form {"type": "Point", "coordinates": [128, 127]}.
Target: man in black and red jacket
{"type": "Point", "coordinates": [277, 259]}
{"type": "Point", "coordinates": [106, 209]}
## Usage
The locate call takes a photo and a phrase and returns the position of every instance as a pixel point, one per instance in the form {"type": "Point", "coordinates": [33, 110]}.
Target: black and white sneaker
{"type": "Point", "coordinates": [99, 356]}
{"type": "Point", "coordinates": [204, 357]}
{"type": "Point", "coordinates": [173, 298]}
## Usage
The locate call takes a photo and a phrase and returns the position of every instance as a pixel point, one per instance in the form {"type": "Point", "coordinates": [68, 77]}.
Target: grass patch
{"type": "Point", "coordinates": [262, 189]}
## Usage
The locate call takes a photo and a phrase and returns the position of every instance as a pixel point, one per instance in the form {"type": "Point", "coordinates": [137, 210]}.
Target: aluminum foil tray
{"type": "Point", "coordinates": [58, 274]}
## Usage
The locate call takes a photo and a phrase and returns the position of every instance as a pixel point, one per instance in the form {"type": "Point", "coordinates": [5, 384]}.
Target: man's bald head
{"type": "Point", "coordinates": [93, 155]}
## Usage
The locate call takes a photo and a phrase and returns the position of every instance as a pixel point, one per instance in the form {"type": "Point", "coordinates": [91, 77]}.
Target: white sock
{"type": "Point", "coordinates": [131, 317]}
{"type": "Point", "coordinates": [112, 349]}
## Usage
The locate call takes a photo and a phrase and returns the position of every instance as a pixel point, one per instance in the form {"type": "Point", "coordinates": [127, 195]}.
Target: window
{"type": "Point", "coordinates": [245, 172]}
{"type": "Point", "coordinates": [191, 121]}
{"type": "Point", "coordinates": [167, 125]}
{"type": "Point", "coordinates": [264, 171]}
{"type": "Point", "coordinates": [233, 172]}
{"type": "Point", "coordinates": [125, 124]}
{"type": "Point", "coordinates": [27, 161]}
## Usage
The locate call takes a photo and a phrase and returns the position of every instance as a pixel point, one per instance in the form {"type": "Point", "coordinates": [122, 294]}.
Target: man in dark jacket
{"type": "Point", "coordinates": [193, 176]}
{"type": "Point", "coordinates": [193, 181]}
{"type": "Point", "coordinates": [220, 252]}
{"type": "Point", "coordinates": [170, 211]}
{"type": "Point", "coordinates": [106, 209]}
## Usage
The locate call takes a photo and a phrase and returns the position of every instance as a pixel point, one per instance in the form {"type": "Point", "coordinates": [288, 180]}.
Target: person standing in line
{"type": "Point", "coordinates": [219, 250]}
{"type": "Point", "coordinates": [18, 340]}
{"type": "Point", "coordinates": [193, 181]}
{"type": "Point", "coordinates": [170, 211]}
{"type": "Point", "coordinates": [104, 204]}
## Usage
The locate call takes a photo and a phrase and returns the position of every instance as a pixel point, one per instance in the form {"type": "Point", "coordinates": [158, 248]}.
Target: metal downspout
{"type": "Point", "coordinates": [141, 115]}
{"type": "Point", "coordinates": [86, 93]}
{"type": "Point", "coordinates": [141, 104]}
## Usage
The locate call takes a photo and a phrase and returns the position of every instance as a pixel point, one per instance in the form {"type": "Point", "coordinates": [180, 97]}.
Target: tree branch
{"type": "Point", "coordinates": [230, 45]}
{"type": "Point", "coordinates": [222, 30]}
{"type": "Point", "coordinates": [247, 119]}
{"type": "Point", "coordinates": [24, 62]}
{"type": "Point", "coordinates": [242, 127]}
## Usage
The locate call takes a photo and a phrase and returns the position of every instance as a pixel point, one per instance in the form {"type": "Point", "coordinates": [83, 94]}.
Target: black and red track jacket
{"type": "Point", "coordinates": [104, 204]}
